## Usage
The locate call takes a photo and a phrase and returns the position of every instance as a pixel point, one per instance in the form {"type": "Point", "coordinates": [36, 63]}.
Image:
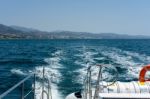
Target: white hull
{"type": "Point", "coordinates": [127, 90]}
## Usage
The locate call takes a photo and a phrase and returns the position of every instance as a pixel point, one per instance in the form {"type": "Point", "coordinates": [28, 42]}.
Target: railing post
{"type": "Point", "coordinates": [99, 78]}
{"type": "Point", "coordinates": [49, 89]}
{"type": "Point", "coordinates": [43, 83]}
{"type": "Point", "coordinates": [90, 91]}
{"type": "Point", "coordinates": [22, 91]}
{"type": "Point", "coordinates": [34, 87]}
{"type": "Point", "coordinates": [85, 88]}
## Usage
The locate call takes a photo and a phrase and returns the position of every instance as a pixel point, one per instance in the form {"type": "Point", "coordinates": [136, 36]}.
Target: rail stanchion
{"type": "Point", "coordinates": [22, 91]}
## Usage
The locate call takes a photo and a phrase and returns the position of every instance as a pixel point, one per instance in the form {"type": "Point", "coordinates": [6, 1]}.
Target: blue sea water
{"type": "Point", "coordinates": [67, 60]}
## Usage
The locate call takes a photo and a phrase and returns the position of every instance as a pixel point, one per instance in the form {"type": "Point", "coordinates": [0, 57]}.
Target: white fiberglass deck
{"type": "Point", "coordinates": [124, 96]}
{"type": "Point", "coordinates": [126, 90]}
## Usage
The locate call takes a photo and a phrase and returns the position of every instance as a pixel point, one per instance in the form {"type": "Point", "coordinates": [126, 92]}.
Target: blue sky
{"type": "Point", "coordinates": [97, 16]}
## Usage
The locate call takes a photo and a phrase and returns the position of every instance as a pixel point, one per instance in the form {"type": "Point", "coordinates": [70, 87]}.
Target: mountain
{"type": "Point", "coordinates": [24, 29]}
{"type": "Point", "coordinates": [8, 32]}
{"type": "Point", "coordinates": [17, 32]}
{"type": "Point", "coordinates": [87, 35]}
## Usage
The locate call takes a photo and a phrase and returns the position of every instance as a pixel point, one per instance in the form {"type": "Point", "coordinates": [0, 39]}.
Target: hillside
{"type": "Point", "coordinates": [16, 32]}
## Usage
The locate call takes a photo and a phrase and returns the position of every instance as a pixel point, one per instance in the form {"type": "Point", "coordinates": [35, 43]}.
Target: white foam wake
{"type": "Point", "coordinates": [126, 59]}
{"type": "Point", "coordinates": [131, 62]}
{"type": "Point", "coordinates": [51, 72]}
{"type": "Point", "coordinates": [54, 91]}
{"type": "Point", "coordinates": [18, 72]}
{"type": "Point", "coordinates": [86, 59]}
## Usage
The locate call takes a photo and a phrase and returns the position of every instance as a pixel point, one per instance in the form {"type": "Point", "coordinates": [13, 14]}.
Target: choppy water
{"type": "Point", "coordinates": [67, 60]}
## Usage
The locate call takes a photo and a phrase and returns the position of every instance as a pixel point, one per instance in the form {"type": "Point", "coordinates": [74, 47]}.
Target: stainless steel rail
{"type": "Point", "coordinates": [21, 83]}
{"type": "Point", "coordinates": [87, 82]}
{"type": "Point", "coordinates": [48, 91]}
{"type": "Point", "coordinates": [99, 78]}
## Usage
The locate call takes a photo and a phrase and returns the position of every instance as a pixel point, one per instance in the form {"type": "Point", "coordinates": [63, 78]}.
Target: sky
{"type": "Point", "coordinates": [97, 16]}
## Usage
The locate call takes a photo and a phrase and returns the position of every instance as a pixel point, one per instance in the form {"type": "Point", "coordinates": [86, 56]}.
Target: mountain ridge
{"type": "Point", "coordinates": [17, 32]}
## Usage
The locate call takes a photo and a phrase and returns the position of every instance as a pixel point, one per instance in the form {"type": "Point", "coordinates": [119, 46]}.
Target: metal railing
{"type": "Point", "coordinates": [99, 78]}
{"type": "Point", "coordinates": [48, 91]}
{"type": "Point", "coordinates": [21, 83]}
{"type": "Point", "coordinates": [87, 83]}
{"type": "Point", "coordinates": [98, 87]}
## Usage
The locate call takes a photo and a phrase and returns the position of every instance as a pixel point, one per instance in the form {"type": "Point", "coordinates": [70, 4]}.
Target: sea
{"type": "Point", "coordinates": [66, 63]}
